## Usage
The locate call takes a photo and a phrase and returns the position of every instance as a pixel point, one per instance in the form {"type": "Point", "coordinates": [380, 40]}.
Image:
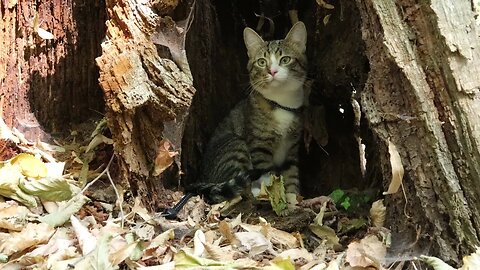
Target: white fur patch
{"type": "Point", "coordinates": [284, 120]}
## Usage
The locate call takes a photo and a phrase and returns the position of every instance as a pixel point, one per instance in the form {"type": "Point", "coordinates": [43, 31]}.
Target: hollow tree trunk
{"type": "Point", "coordinates": [49, 82]}
{"type": "Point", "coordinates": [146, 94]}
{"type": "Point", "coordinates": [423, 95]}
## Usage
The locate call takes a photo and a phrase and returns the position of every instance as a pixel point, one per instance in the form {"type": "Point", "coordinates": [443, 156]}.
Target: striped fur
{"type": "Point", "coordinates": [261, 135]}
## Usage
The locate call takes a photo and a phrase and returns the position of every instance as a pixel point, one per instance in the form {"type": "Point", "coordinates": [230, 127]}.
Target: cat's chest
{"type": "Point", "coordinates": [283, 120]}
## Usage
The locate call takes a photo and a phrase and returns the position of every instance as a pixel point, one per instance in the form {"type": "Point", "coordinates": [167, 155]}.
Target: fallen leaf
{"type": "Point", "coordinates": [9, 180]}
{"type": "Point", "coordinates": [30, 166]}
{"type": "Point", "coordinates": [64, 212]}
{"type": "Point", "coordinates": [295, 254]}
{"type": "Point", "coordinates": [87, 241]}
{"type": "Point", "coordinates": [346, 225]}
{"type": "Point", "coordinates": [13, 216]}
{"type": "Point", "coordinates": [123, 253]}
{"type": "Point", "coordinates": [50, 189]}
{"type": "Point", "coordinates": [99, 257]}
{"type": "Point", "coordinates": [198, 243]}
{"type": "Point", "coordinates": [226, 231]}
{"type": "Point", "coordinates": [161, 239]}
{"type": "Point", "coordinates": [377, 213]}
{"type": "Point", "coordinates": [368, 252]}
{"type": "Point", "coordinates": [472, 261]}
{"type": "Point", "coordinates": [280, 264]}
{"type": "Point", "coordinates": [326, 233]}
{"type": "Point", "coordinates": [437, 263]}
{"type": "Point", "coordinates": [276, 194]}
{"type": "Point", "coordinates": [164, 157]}
{"type": "Point", "coordinates": [184, 260]}
{"type": "Point", "coordinates": [254, 242]}
{"type": "Point", "coordinates": [397, 169]}
{"type": "Point", "coordinates": [33, 234]}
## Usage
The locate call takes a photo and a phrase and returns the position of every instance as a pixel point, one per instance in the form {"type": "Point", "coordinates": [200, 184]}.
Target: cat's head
{"type": "Point", "coordinates": [278, 65]}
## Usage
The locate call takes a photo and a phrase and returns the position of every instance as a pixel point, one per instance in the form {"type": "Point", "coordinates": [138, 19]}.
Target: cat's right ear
{"type": "Point", "coordinates": [252, 40]}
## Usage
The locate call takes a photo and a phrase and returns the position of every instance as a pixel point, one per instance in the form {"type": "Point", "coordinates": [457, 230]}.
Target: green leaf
{"type": "Point", "coordinates": [346, 203]}
{"type": "Point", "coordinates": [337, 195]}
{"type": "Point", "coordinates": [326, 233]}
{"type": "Point", "coordinates": [63, 214]}
{"type": "Point", "coordinates": [50, 189]}
{"type": "Point", "coordinates": [276, 194]}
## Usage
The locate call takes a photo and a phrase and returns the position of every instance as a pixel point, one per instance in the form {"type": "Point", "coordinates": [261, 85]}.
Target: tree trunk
{"type": "Point", "coordinates": [422, 94]}
{"type": "Point", "coordinates": [48, 83]}
{"type": "Point", "coordinates": [146, 96]}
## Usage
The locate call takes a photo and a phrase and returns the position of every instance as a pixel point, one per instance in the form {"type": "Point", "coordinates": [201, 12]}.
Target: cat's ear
{"type": "Point", "coordinates": [298, 36]}
{"type": "Point", "coordinates": [253, 41]}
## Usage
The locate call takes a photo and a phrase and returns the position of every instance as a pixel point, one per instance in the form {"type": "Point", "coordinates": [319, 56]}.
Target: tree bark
{"type": "Point", "coordinates": [422, 94]}
{"type": "Point", "coordinates": [146, 94]}
{"type": "Point", "coordinates": [47, 83]}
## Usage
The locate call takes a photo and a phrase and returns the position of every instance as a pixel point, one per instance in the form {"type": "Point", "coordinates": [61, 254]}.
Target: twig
{"type": "Point", "coordinates": [98, 177]}
{"type": "Point", "coordinates": [120, 202]}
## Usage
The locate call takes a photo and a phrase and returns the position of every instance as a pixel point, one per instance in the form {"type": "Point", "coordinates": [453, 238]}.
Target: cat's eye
{"type": "Point", "coordinates": [285, 60]}
{"type": "Point", "coordinates": [262, 62]}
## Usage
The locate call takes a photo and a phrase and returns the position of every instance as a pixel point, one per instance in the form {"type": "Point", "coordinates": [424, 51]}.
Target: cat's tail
{"type": "Point", "coordinates": [222, 191]}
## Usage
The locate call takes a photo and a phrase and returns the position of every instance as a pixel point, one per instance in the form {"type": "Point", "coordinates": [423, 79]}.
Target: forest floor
{"type": "Point", "coordinates": [59, 209]}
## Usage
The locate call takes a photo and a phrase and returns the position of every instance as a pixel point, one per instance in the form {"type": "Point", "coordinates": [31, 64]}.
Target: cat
{"type": "Point", "coordinates": [261, 134]}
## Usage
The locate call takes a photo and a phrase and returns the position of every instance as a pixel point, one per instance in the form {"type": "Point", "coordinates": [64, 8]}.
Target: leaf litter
{"type": "Point", "coordinates": [49, 221]}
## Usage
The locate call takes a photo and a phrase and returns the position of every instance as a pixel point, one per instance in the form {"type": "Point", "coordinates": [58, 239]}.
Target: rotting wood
{"type": "Point", "coordinates": [146, 96]}
{"type": "Point", "coordinates": [422, 94]}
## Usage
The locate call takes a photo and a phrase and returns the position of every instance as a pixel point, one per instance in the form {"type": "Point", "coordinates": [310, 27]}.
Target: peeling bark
{"type": "Point", "coordinates": [423, 94]}
{"type": "Point", "coordinates": [146, 96]}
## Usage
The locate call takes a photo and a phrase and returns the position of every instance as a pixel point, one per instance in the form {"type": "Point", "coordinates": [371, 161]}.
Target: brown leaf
{"type": "Point", "coordinates": [13, 216]}
{"type": "Point", "coordinates": [368, 252]}
{"type": "Point", "coordinates": [31, 235]}
{"type": "Point", "coordinates": [164, 157]}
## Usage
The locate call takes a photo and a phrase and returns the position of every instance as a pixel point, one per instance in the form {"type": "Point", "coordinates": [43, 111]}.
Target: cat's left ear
{"type": "Point", "coordinates": [298, 36]}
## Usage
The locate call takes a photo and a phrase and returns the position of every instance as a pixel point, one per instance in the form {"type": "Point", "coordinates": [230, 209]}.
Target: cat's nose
{"type": "Point", "coordinates": [273, 71]}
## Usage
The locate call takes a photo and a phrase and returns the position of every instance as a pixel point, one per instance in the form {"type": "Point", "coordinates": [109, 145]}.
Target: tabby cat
{"type": "Point", "coordinates": [261, 135]}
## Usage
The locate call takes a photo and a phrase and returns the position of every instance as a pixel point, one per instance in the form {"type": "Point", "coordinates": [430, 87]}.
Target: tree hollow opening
{"type": "Point", "coordinates": [338, 68]}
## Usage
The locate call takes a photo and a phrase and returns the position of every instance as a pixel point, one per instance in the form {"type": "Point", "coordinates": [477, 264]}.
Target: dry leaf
{"type": "Point", "coordinates": [397, 169]}
{"type": "Point", "coordinates": [254, 242]}
{"type": "Point", "coordinates": [13, 216]}
{"type": "Point", "coordinates": [123, 253]}
{"type": "Point", "coordinates": [164, 157]}
{"type": "Point", "coordinates": [162, 239]}
{"type": "Point", "coordinates": [226, 231]}
{"type": "Point", "coordinates": [296, 253]}
{"type": "Point", "coordinates": [198, 243]}
{"type": "Point", "coordinates": [326, 233]}
{"type": "Point", "coordinates": [324, 4]}
{"type": "Point", "coordinates": [438, 264]}
{"type": "Point", "coordinates": [368, 252]}
{"type": "Point", "coordinates": [472, 261]}
{"type": "Point", "coordinates": [64, 212]}
{"type": "Point", "coordinates": [377, 213]}
{"type": "Point", "coordinates": [86, 240]}
{"type": "Point", "coordinates": [31, 235]}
